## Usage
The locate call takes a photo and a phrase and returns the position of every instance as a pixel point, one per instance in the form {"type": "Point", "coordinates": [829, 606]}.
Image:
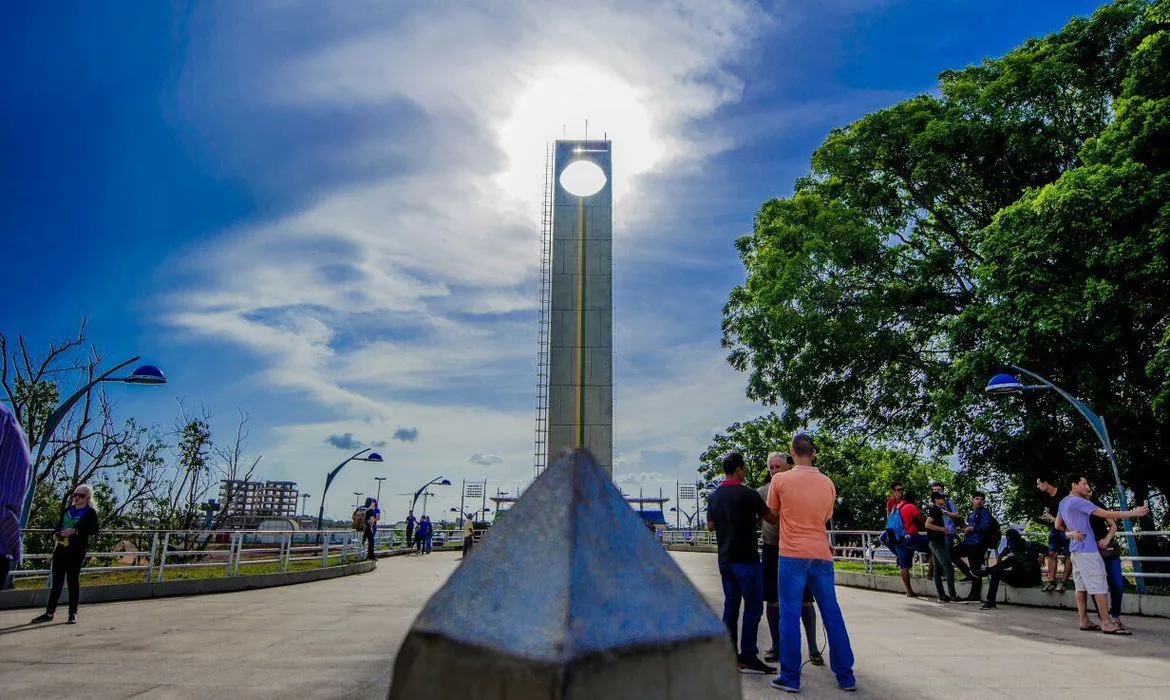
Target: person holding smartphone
{"type": "Point", "coordinates": [78, 523]}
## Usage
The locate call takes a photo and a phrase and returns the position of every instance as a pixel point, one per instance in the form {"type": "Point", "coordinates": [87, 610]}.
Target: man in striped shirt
{"type": "Point", "coordinates": [14, 467]}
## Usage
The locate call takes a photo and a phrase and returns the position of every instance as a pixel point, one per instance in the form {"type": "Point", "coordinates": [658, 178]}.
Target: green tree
{"type": "Point", "coordinates": [1021, 214]}
{"type": "Point", "coordinates": [862, 473]}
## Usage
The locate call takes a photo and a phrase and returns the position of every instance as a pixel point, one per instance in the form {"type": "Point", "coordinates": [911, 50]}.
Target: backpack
{"type": "Point", "coordinates": [895, 528]}
{"type": "Point", "coordinates": [994, 533]}
{"type": "Point", "coordinates": [359, 519]}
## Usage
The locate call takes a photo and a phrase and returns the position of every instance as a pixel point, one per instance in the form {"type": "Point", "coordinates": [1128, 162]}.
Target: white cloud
{"type": "Point", "coordinates": [386, 293]}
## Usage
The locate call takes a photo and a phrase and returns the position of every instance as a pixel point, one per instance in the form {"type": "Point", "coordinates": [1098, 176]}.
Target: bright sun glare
{"type": "Point", "coordinates": [555, 104]}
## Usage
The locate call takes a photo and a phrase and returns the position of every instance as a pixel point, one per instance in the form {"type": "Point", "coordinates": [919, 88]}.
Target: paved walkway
{"type": "Point", "coordinates": [337, 639]}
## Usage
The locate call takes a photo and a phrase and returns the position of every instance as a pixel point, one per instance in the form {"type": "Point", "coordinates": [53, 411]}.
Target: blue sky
{"type": "Point", "coordinates": [324, 214]}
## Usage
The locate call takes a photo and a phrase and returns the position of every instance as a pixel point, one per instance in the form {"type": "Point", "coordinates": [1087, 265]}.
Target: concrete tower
{"type": "Point", "coordinates": [580, 379]}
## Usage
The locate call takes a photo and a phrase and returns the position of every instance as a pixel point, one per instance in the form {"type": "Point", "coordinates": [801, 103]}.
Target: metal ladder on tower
{"type": "Point", "coordinates": [540, 447]}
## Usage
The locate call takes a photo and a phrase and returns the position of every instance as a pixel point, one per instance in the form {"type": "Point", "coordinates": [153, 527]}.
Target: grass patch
{"type": "Point", "coordinates": [114, 576]}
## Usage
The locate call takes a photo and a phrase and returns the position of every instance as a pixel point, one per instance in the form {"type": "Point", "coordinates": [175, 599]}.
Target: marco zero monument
{"type": "Point", "coordinates": [574, 403]}
{"type": "Point", "coordinates": [590, 607]}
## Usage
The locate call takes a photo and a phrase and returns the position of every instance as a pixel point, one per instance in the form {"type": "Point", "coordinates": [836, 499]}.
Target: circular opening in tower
{"type": "Point", "coordinates": [582, 178]}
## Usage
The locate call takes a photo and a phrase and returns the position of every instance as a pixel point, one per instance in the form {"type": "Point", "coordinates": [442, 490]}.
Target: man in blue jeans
{"type": "Point", "coordinates": [803, 498]}
{"type": "Point", "coordinates": [733, 512]}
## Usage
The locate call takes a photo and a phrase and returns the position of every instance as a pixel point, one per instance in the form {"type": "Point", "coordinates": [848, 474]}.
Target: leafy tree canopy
{"type": "Point", "coordinates": [1022, 214]}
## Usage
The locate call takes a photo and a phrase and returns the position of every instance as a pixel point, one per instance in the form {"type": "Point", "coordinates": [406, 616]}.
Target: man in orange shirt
{"type": "Point", "coordinates": [803, 498]}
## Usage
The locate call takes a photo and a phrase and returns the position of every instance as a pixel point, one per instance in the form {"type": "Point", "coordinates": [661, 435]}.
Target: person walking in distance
{"type": "Point", "coordinates": [78, 523]}
{"type": "Point", "coordinates": [14, 468]}
{"type": "Point", "coordinates": [372, 515]}
{"type": "Point", "coordinates": [410, 521]}
{"type": "Point", "coordinates": [733, 512]}
{"type": "Point", "coordinates": [936, 533]}
{"type": "Point", "coordinates": [1058, 553]}
{"type": "Point", "coordinates": [1088, 569]}
{"type": "Point", "coordinates": [803, 499]}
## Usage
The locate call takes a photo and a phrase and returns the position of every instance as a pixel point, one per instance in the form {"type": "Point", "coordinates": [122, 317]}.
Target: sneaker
{"type": "Point", "coordinates": [772, 655]}
{"type": "Point", "coordinates": [847, 688]}
{"type": "Point", "coordinates": [987, 605]}
{"type": "Point", "coordinates": [816, 659]}
{"type": "Point", "coordinates": [1049, 587]}
{"type": "Point", "coordinates": [1060, 587]}
{"type": "Point", "coordinates": [72, 620]}
{"type": "Point", "coordinates": [753, 666]}
{"type": "Point", "coordinates": [46, 617]}
{"type": "Point", "coordinates": [779, 685]}
{"type": "Point", "coordinates": [945, 599]}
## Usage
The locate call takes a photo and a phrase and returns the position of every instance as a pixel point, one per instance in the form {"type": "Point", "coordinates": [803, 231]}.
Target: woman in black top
{"type": "Point", "coordinates": [78, 523]}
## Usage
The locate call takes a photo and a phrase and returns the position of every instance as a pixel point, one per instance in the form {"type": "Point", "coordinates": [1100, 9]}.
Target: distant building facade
{"type": "Point", "coordinates": [245, 501]}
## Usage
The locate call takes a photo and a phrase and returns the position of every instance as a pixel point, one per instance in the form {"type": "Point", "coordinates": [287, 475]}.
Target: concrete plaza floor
{"type": "Point", "coordinates": [338, 639]}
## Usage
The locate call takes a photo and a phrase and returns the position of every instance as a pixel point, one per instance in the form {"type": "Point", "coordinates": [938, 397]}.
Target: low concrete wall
{"type": "Point", "coordinates": [1131, 604]}
{"type": "Point", "coordinates": [39, 597]}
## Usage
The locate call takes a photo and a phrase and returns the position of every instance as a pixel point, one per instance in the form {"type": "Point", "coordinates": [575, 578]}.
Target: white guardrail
{"type": "Point", "coordinates": [865, 547]}
{"type": "Point", "coordinates": [238, 551]}
{"type": "Point", "coordinates": [155, 552]}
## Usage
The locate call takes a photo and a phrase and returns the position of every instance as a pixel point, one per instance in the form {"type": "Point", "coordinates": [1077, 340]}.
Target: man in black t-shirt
{"type": "Point", "coordinates": [1018, 565]}
{"type": "Point", "coordinates": [936, 535]}
{"type": "Point", "coordinates": [734, 512]}
{"type": "Point", "coordinates": [1051, 496]}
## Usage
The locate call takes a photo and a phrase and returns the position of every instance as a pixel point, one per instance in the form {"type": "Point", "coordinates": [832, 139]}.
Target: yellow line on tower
{"type": "Point", "coordinates": [580, 409]}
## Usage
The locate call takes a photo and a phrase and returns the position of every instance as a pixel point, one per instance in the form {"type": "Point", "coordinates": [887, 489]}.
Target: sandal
{"type": "Point", "coordinates": [1093, 627]}
{"type": "Point", "coordinates": [1121, 631]}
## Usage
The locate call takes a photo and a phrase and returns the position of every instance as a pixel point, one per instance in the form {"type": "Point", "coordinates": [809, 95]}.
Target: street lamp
{"type": "Point", "coordinates": [357, 495]}
{"type": "Point", "coordinates": [438, 481]}
{"type": "Point", "coordinates": [378, 498]}
{"type": "Point", "coordinates": [143, 374]}
{"type": "Point", "coordinates": [689, 516]}
{"type": "Point", "coordinates": [372, 457]}
{"type": "Point", "coordinates": [305, 506]}
{"type": "Point", "coordinates": [1010, 385]}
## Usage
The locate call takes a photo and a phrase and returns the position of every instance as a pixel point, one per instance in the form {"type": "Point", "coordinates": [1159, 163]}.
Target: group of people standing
{"type": "Point", "coordinates": [795, 573]}
{"type": "Point", "coordinates": [1082, 536]}
{"type": "Point", "coordinates": [419, 532]}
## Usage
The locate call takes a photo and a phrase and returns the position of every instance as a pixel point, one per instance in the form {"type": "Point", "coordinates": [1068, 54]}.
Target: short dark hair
{"type": "Point", "coordinates": [896, 485]}
{"type": "Point", "coordinates": [938, 495]}
{"type": "Point", "coordinates": [979, 494]}
{"type": "Point", "coordinates": [802, 444]}
{"type": "Point", "coordinates": [939, 484]}
{"type": "Point", "coordinates": [1048, 479]}
{"type": "Point", "coordinates": [731, 462]}
{"type": "Point", "coordinates": [1074, 479]}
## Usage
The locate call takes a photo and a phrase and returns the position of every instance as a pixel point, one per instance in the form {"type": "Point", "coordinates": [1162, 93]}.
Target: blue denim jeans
{"type": "Point", "coordinates": [743, 581]}
{"type": "Point", "coordinates": [817, 574]}
{"type": "Point", "coordinates": [427, 544]}
{"type": "Point", "coordinates": [905, 550]}
{"type": "Point", "coordinates": [1116, 584]}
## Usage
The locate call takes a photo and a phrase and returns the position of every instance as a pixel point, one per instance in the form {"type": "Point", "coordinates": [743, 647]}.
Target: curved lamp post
{"type": "Point", "coordinates": [357, 457]}
{"type": "Point", "coordinates": [438, 480]}
{"type": "Point", "coordinates": [689, 516]}
{"type": "Point", "coordinates": [144, 374]}
{"type": "Point", "coordinates": [1010, 385]}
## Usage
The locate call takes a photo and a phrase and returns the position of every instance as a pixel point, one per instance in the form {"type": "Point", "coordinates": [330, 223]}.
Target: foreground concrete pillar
{"type": "Point", "coordinates": [567, 597]}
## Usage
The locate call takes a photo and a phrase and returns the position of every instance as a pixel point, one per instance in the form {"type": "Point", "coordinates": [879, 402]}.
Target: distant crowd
{"type": "Point", "coordinates": [1082, 546]}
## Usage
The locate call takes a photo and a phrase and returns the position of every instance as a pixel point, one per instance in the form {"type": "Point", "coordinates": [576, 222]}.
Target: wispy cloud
{"type": "Point", "coordinates": [405, 277]}
{"type": "Point", "coordinates": [485, 459]}
{"type": "Point", "coordinates": [346, 441]}
{"type": "Point", "coordinates": [405, 434]}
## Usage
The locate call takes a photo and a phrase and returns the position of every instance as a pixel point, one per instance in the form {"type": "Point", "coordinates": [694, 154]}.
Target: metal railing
{"type": "Point", "coordinates": [865, 547]}
{"type": "Point", "coordinates": [154, 553]}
